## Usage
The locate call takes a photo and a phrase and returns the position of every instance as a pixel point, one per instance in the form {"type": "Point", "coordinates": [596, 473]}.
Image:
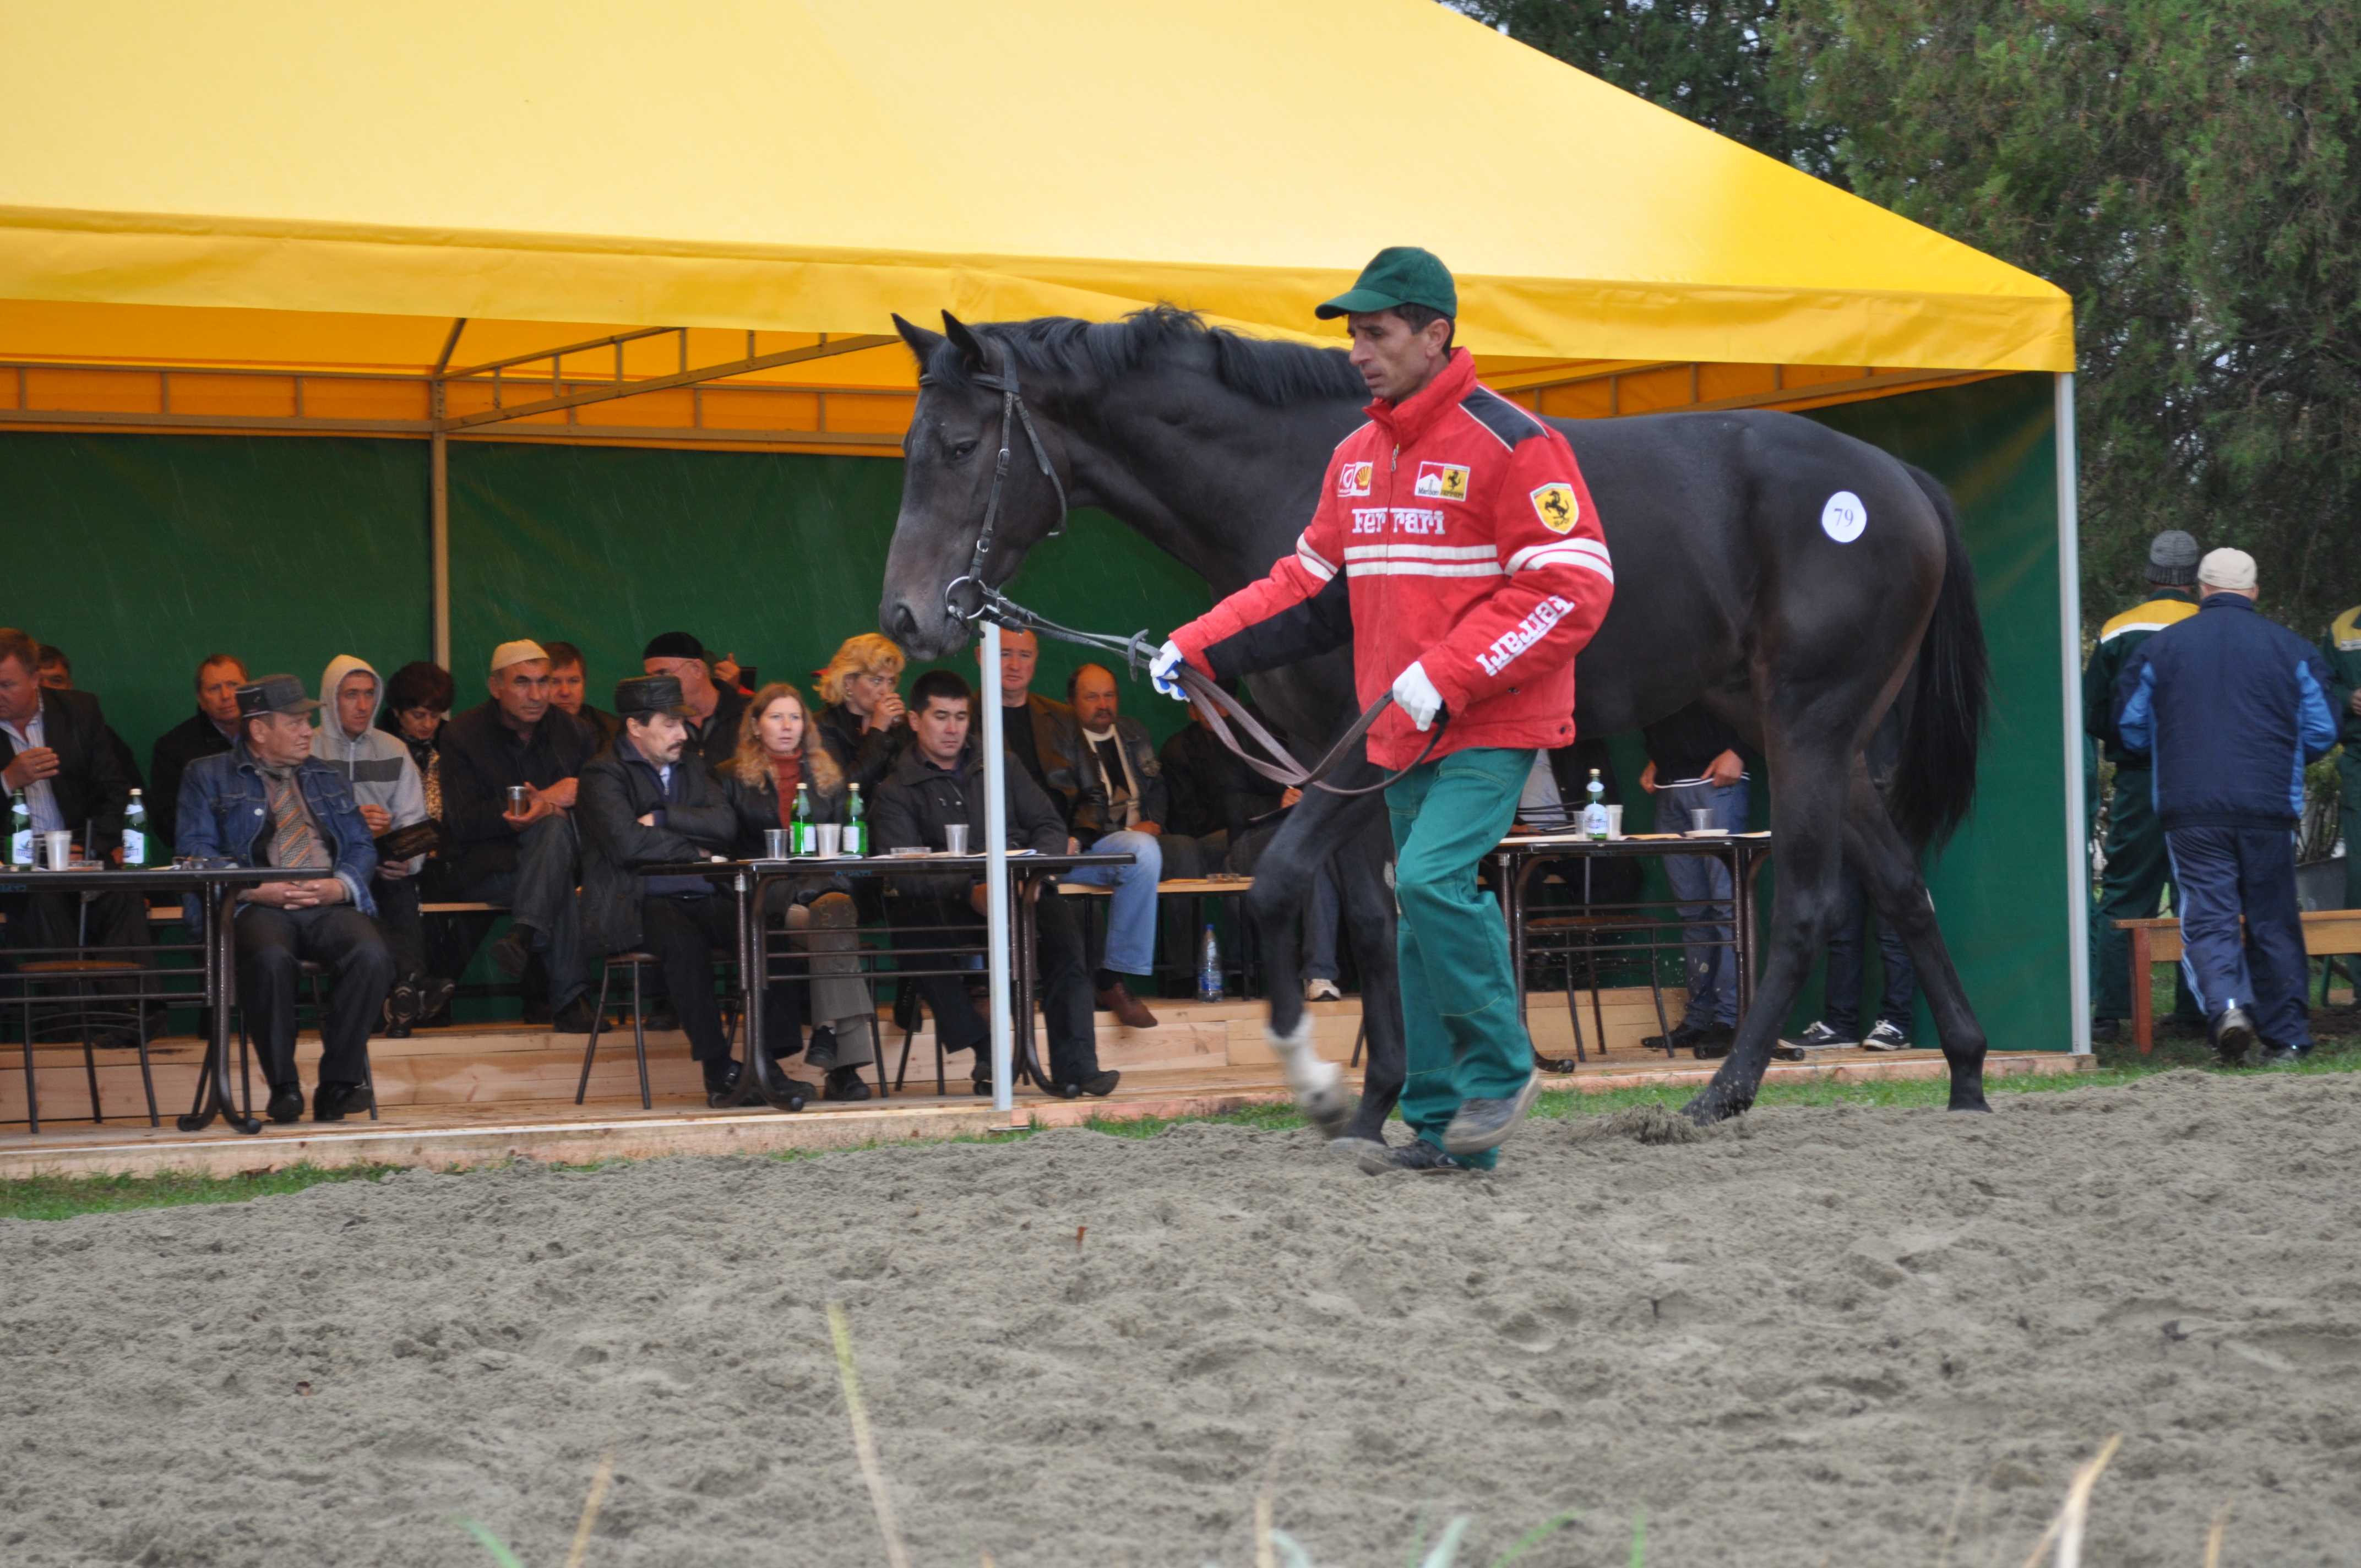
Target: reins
{"type": "Point", "coordinates": [1135, 649]}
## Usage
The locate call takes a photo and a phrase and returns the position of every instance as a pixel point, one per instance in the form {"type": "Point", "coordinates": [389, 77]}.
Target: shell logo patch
{"type": "Point", "coordinates": [1443, 481]}
{"type": "Point", "coordinates": [1353, 478]}
{"type": "Point", "coordinates": [1555, 505]}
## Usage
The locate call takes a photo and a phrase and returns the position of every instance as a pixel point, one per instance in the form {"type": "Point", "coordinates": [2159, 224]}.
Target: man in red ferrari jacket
{"type": "Point", "coordinates": [1455, 545]}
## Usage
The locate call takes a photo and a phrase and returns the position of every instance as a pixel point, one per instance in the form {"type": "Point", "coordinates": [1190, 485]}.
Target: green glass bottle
{"type": "Point", "coordinates": [801, 839]}
{"type": "Point", "coordinates": [856, 825]}
{"type": "Point", "coordinates": [20, 832]}
{"type": "Point", "coordinates": [134, 834]}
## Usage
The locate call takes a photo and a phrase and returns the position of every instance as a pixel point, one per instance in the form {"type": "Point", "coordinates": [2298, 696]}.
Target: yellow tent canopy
{"type": "Point", "coordinates": [276, 185]}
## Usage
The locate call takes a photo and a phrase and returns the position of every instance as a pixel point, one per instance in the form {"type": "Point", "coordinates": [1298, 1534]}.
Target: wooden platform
{"type": "Point", "coordinates": [481, 1095]}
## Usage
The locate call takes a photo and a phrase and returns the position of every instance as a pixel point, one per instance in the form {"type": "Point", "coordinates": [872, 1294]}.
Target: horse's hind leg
{"type": "Point", "coordinates": [1889, 873]}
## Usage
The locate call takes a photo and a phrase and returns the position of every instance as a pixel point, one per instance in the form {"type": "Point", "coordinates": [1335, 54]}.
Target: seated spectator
{"type": "Point", "coordinates": [56, 675]}
{"type": "Point", "coordinates": [269, 802]}
{"type": "Point", "coordinates": [863, 726]}
{"type": "Point", "coordinates": [1037, 736]}
{"type": "Point", "coordinates": [1118, 808]}
{"type": "Point", "coordinates": [778, 753]}
{"type": "Point", "coordinates": [53, 747]}
{"type": "Point", "coordinates": [528, 858]}
{"type": "Point", "coordinates": [647, 801]}
{"type": "Point", "coordinates": [938, 782]}
{"type": "Point", "coordinates": [569, 676]}
{"type": "Point", "coordinates": [417, 705]}
{"type": "Point", "coordinates": [390, 794]}
{"type": "Point", "coordinates": [208, 732]}
{"type": "Point", "coordinates": [1693, 766]}
{"type": "Point", "coordinates": [714, 711]}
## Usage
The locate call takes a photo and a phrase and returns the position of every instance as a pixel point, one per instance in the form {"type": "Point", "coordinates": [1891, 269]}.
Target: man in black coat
{"type": "Point", "coordinates": [54, 747]}
{"type": "Point", "coordinates": [939, 781]}
{"type": "Point", "coordinates": [648, 800]}
{"type": "Point", "coordinates": [208, 732]}
{"type": "Point", "coordinates": [528, 858]}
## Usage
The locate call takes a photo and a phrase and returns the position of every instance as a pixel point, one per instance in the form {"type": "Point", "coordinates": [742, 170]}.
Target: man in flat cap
{"type": "Point", "coordinates": [524, 857]}
{"type": "Point", "coordinates": [2138, 874]}
{"type": "Point", "coordinates": [269, 802]}
{"type": "Point", "coordinates": [1455, 546]}
{"type": "Point", "coordinates": [2228, 707]}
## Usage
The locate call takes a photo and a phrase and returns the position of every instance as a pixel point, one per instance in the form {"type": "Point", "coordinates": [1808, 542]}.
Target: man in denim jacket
{"type": "Point", "coordinates": [266, 802]}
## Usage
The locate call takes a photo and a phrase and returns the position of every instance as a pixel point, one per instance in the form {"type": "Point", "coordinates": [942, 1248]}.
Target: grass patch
{"type": "Point", "coordinates": [63, 1196]}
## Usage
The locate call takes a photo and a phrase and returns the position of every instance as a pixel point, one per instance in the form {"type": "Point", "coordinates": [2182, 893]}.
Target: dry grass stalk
{"type": "Point", "coordinates": [2065, 1529]}
{"type": "Point", "coordinates": [866, 1451]}
{"type": "Point", "coordinates": [590, 1506]}
{"type": "Point", "coordinates": [2213, 1538]}
{"type": "Point", "coordinates": [1266, 1550]}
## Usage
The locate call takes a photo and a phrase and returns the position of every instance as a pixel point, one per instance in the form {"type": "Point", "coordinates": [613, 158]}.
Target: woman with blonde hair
{"type": "Point", "coordinates": [863, 725]}
{"type": "Point", "coordinates": [778, 753]}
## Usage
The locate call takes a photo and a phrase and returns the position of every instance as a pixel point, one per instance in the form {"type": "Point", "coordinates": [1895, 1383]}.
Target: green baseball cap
{"type": "Point", "coordinates": [1398, 274]}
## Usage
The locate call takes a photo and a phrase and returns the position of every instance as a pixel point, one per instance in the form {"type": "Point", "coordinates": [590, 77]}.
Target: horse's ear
{"type": "Point", "coordinates": [922, 343]}
{"type": "Point", "coordinates": [971, 348]}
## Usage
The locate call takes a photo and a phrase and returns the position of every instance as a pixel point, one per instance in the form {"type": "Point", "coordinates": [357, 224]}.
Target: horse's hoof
{"type": "Point", "coordinates": [1711, 1107]}
{"type": "Point", "coordinates": [1353, 1148]}
{"type": "Point", "coordinates": [1968, 1099]}
{"type": "Point", "coordinates": [1319, 1085]}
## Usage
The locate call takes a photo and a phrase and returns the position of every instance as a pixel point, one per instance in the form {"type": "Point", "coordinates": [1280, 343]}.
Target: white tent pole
{"type": "Point", "coordinates": [2069, 632]}
{"type": "Point", "coordinates": [995, 872]}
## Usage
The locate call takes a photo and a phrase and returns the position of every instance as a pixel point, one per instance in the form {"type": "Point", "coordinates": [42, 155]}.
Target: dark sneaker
{"type": "Point", "coordinates": [1820, 1037]}
{"type": "Point", "coordinates": [1885, 1038]}
{"type": "Point", "coordinates": [513, 951]}
{"type": "Point", "coordinates": [286, 1104]}
{"type": "Point", "coordinates": [574, 1018]}
{"type": "Point", "coordinates": [1128, 1010]}
{"type": "Point", "coordinates": [2271, 1056]}
{"type": "Point", "coordinates": [2233, 1036]}
{"type": "Point", "coordinates": [1714, 1043]}
{"type": "Point", "coordinates": [403, 1007]}
{"type": "Point", "coordinates": [1418, 1156]}
{"type": "Point", "coordinates": [844, 1083]}
{"type": "Point", "coordinates": [335, 1102]}
{"type": "Point", "coordinates": [1483, 1124]}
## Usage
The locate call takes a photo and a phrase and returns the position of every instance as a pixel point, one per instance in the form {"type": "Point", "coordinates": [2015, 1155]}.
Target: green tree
{"type": "Point", "coordinates": [2189, 174]}
{"type": "Point", "coordinates": [1707, 59]}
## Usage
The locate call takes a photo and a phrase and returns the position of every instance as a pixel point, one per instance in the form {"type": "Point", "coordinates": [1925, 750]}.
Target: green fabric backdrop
{"type": "Point", "coordinates": [141, 553]}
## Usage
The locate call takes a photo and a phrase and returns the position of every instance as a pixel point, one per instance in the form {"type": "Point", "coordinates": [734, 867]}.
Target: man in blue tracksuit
{"type": "Point", "coordinates": [2229, 708]}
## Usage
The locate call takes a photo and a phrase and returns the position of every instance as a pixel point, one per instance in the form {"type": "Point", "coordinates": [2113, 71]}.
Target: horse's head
{"type": "Point", "coordinates": [950, 456]}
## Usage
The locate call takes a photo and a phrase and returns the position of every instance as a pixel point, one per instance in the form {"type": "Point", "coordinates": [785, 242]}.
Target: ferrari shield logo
{"type": "Point", "coordinates": [1557, 507]}
{"type": "Point", "coordinates": [1443, 481]}
{"type": "Point", "coordinates": [1353, 478]}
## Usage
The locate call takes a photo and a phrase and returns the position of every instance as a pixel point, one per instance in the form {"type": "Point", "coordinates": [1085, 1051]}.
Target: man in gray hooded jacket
{"type": "Point", "coordinates": [390, 794]}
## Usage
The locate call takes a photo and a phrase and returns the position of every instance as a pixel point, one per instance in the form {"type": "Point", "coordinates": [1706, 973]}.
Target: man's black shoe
{"type": "Point", "coordinates": [721, 1082]}
{"type": "Point", "coordinates": [335, 1102]}
{"type": "Point", "coordinates": [1480, 1124]}
{"type": "Point", "coordinates": [981, 1083]}
{"type": "Point", "coordinates": [535, 1012]}
{"type": "Point", "coordinates": [1418, 1156]}
{"type": "Point", "coordinates": [403, 1006]}
{"type": "Point", "coordinates": [286, 1104]}
{"type": "Point", "coordinates": [821, 1052]}
{"type": "Point", "coordinates": [2233, 1036]}
{"type": "Point", "coordinates": [1099, 1085]}
{"type": "Point", "coordinates": [1715, 1042]}
{"type": "Point", "coordinates": [574, 1018]}
{"type": "Point", "coordinates": [1682, 1037]}
{"type": "Point", "coordinates": [513, 950]}
{"type": "Point", "coordinates": [844, 1083]}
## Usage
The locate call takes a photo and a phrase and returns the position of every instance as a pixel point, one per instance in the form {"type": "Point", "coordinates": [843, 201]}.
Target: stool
{"type": "Point", "coordinates": [635, 961]}
{"type": "Point", "coordinates": [79, 974]}
{"type": "Point", "coordinates": [315, 972]}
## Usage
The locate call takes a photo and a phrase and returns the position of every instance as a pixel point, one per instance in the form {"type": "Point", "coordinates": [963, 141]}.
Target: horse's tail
{"type": "Point", "coordinates": [1935, 782]}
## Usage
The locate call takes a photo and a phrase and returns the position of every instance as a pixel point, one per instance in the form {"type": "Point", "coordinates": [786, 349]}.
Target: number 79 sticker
{"type": "Point", "coordinates": [1844, 517]}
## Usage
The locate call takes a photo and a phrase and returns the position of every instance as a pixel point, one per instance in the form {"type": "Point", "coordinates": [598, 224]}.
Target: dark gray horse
{"type": "Point", "coordinates": [1740, 580]}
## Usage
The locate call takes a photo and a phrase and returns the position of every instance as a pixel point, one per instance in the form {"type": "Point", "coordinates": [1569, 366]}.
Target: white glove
{"type": "Point", "coordinates": [1161, 669]}
{"type": "Point", "coordinates": [1416, 695]}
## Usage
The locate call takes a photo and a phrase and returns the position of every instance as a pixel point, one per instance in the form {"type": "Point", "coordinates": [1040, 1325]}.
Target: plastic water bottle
{"type": "Point", "coordinates": [1209, 967]}
{"type": "Point", "coordinates": [20, 832]}
{"type": "Point", "coordinates": [856, 825]}
{"type": "Point", "coordinates": [135, 833]}
{"type": "Point", "coordinates": [1594, 816]}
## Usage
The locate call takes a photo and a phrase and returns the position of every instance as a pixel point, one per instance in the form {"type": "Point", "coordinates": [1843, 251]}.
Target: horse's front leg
{"type": "Point", "coordinates": [1364, 869]}
{"type": "Point", "coordinates": [1314, 831]}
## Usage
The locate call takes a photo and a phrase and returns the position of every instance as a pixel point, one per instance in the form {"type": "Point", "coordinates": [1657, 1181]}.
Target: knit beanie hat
{"type": "Point", "coordinates": [2172, 559]}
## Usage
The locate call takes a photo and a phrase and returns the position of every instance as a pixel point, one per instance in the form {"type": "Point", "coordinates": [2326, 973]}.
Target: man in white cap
{"type": "Point", "coordinates": [2228, 707]}
{"type": "Point", "coordinates": [525, 857]}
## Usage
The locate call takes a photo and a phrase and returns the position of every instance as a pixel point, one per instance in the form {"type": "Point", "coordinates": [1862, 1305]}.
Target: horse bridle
{"type": "Point", "coordinates": [1220, 707]}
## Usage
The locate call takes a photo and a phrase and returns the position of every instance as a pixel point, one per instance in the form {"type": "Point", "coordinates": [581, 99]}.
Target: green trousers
{"type": "Point", "coordinates": [1462, 1033]}
{"type": "Point", "coordinates": [2348, 773]}
{"type": "Point", "coordinates": [2138, 871]}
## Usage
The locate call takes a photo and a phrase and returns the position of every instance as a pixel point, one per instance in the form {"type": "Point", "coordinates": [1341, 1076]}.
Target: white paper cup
{"type": "Point", "coordinates": [60, 842]}
{"type": "Point", "coordinates": [1615, 822]}
{"type": "Point", "coordinates": [777, 845]}
{"type": "Point", "coordinates": [955, 838]}
{"type": "Point", "coordinates": [832, 839]}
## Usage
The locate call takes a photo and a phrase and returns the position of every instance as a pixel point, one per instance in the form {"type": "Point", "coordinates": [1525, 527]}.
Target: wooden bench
{"type": "Point", "coordinates": [2326, 933]}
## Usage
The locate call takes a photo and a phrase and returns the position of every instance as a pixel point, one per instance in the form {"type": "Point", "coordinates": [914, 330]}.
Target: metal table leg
{"type": "Point", "coordinates": [220, 937]}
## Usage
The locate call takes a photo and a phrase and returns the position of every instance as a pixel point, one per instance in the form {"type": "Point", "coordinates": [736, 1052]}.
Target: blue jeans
{"type": "Point", "coordinates": [1321, 916]}
{"type": "Point", "coordinates": [2219, 873]}
{"type": "Point", "coordinates": [1702, 886]}
{"type": "Point", "coordinates": [1840, 1005]}
{"type": "Point", "coordinates": [1131, 920]}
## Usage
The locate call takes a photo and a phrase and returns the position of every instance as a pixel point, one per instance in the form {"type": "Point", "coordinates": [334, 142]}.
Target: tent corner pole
{"type": "Point", "coordinates": [996, 879]}
{"type": "Point", "coordinates": [2070, 627]}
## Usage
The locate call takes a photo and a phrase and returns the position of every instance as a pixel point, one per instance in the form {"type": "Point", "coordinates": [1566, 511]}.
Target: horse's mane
{"type": "Point", "coordinates": [1271, 371]}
